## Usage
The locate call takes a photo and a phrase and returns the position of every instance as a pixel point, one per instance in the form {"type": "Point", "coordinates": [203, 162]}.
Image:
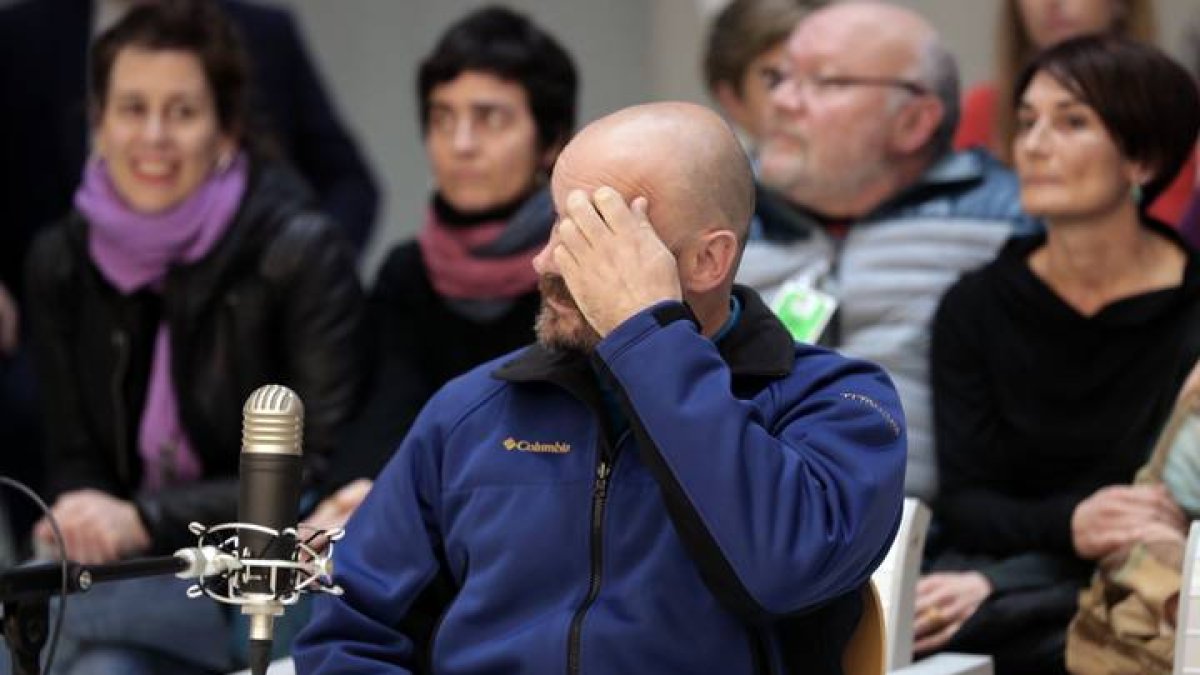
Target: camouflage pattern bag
{"type": "Point", "coordinates": [1125, 624]}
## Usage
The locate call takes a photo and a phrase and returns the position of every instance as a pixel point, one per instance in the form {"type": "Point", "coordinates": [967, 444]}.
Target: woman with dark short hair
{"type": "Point", "coordinates": [1026, 27]}
{"type": "Point", "coordinates": [497, 98]}
{"type": "Point", "coordinates": [1055, 366]}
{"type": "Point", "coordinates": [191, 271]}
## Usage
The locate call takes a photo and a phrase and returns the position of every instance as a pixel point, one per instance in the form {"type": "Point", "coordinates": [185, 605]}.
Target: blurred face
{"type": "Point", "coordinates": [829, 123]}
{"type": "Point", "coordinates": [1048, 22]}
{"type": "Point", "coordinates": [158, 131]}
{"type": "Point", "coordinates": [1069, 166]}
{"type": "Point", "coordinates": [749, 106]}
{"type": "Point", "coordinates": [482, 141]}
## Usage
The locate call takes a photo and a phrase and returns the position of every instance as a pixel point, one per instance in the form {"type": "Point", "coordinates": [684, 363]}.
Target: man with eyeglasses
{"type": "Point", "coordinates": [742, 58]}
{"type": "Point", "coordinates": [885, 216]}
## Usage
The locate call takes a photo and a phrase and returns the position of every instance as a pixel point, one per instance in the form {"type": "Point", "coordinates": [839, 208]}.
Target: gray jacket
{"type": "Point", "coordinates": [890, 271]}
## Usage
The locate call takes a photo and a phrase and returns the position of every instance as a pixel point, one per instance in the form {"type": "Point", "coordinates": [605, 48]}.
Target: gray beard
{"type": "Point", "coordinates": [577, 335]}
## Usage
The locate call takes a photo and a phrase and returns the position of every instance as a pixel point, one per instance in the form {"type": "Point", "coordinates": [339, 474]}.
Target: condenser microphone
{"type": "Point", "coordinates": [269, 497]}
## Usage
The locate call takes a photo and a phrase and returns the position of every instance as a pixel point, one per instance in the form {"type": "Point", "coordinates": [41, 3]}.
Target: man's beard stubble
{"type": "Point", "coordinates": [802, 174]}
{"type": "Point", "coordinates": [567, 331]}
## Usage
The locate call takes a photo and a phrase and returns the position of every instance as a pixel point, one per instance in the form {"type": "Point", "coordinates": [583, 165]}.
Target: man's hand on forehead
{"type": "Point", "coordinates": [613, 262]}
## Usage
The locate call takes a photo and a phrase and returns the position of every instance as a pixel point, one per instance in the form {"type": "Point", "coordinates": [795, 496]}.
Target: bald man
{"type": "Point", "coordinates": [884, 216]}
{"type": "Point", "coordinates": [664, 483]}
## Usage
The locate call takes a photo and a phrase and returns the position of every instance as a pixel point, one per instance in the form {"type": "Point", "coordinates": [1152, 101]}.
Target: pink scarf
{"type": "Point", "coordinates": [135, 250]}
{"type": "Point", "coordinates": [457, 272]}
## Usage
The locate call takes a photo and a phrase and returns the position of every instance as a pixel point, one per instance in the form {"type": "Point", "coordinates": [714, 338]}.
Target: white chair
{"type": "Point", "coordinates": [896, 581]}
{"type": "Point", "coordinates": [1187, 631]}
{"type": "Point", "coordinates": [949, 664]}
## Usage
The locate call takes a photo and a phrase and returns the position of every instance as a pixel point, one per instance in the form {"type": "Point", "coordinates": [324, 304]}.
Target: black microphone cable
{"type": "Point", "coordinates": [62, 548]}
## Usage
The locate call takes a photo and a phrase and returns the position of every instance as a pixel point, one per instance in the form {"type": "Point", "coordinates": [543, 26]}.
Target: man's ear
{"type": "Point", "coordinates": [708, 261]}
{"type": "Point", "coordinates": [916, 123]}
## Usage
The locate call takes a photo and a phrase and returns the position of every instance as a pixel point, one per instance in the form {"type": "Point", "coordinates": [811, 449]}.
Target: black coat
{"type": "Point", "coordinates": [419, 344]}
{"type": "Point", "coordinates": [44, 123]}
{"type": "Point", "coordinates": [276, 301]}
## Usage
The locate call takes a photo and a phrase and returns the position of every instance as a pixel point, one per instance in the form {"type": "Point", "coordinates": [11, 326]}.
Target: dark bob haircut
{"type": "Point", "coordinates": [1147, 101]}
{"type": "Point", "coordinates": [195, 26]}
{"type": "Point", "coordinates": [503, 43]}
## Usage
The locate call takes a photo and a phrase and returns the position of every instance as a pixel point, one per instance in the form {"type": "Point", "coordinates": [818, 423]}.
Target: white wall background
{"type": "Point", "coordinates": [627, 51]}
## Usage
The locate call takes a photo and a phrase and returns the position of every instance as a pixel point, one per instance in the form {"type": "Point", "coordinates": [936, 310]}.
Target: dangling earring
{"type": "Point", "coordinates": [1135, 193]}
{"type": "Point", "coordinates": [224, 161]}
{"type": "Point", "coordinates": [95, 151]}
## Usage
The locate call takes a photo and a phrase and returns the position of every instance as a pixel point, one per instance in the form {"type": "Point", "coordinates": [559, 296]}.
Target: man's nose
{"type": "Point", "coordinates": [543, 262]}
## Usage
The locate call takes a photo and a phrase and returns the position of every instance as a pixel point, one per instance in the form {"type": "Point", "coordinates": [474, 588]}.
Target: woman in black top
{"type": "Point", "coordinates": [1055, 366]}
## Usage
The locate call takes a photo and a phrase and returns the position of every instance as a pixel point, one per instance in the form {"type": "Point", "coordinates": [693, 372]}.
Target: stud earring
{"type": "Point", "coordinates": [1135, 193]}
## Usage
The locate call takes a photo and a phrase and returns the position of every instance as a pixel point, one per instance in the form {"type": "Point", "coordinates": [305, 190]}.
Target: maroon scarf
{"type": "Point", "coordinates": [457, 271]}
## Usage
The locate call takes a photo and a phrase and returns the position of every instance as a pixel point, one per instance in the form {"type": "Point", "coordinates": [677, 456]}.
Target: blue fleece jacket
{"type": "Point", "coordinates": [728, 530]}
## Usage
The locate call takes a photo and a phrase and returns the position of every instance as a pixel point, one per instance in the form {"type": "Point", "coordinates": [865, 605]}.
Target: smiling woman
{"type": "Point", "coordinates": [158, 131]}
{"type": "Point", "coordinates": [190, 272]}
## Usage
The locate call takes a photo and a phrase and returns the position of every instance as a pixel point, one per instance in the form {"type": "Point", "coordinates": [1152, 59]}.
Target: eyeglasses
{"type": "Point", "coordinates": [820, 85]}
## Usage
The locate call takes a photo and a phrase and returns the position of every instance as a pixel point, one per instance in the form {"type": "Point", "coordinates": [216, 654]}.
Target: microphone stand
{"type": "Point", "coordinates": [220, 571]}
{"type": "Point", "coordinates": [26, 591]}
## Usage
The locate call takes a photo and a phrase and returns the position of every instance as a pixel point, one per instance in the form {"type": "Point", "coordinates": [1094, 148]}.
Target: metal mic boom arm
{"type": "Point", "coordinates": [25, 591]}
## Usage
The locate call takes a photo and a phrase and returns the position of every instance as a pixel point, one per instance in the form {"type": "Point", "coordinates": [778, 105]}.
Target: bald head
{"type": "Point", "coordinates": [682, 157]}
{"type": "Point", "coordinates": [893, 31]}
{"type": "Point", "coordinates": [886, 36]}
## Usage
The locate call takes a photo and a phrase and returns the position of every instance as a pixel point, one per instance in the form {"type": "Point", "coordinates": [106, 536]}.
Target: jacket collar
{"type": "Point", "coordinates": [954, 172]}
{"type": "Point", "coordinates": [758, 349]}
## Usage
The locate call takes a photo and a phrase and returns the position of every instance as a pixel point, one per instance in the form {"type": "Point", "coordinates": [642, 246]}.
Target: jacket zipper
{"type": "Point", "coordinates": [834, 329]}
{"type": "Point", "coordinates": [437, 627]}
{"type": "Point", "coordinates": [121, 343]}
{"type": "Point", "coordinates": [760, 651]}
{"type": "Point", "coordinates": [599, 502]}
